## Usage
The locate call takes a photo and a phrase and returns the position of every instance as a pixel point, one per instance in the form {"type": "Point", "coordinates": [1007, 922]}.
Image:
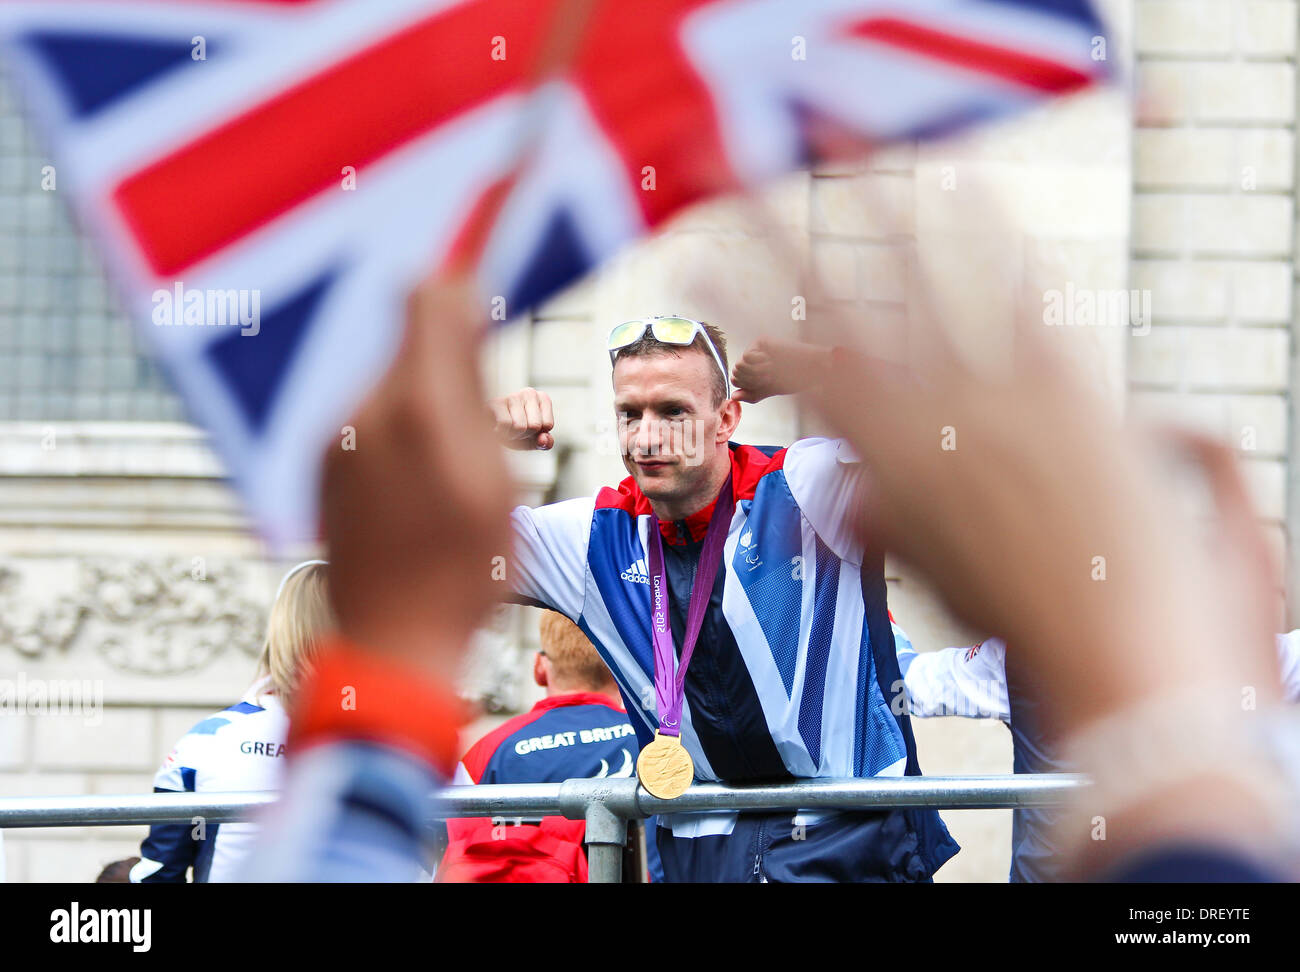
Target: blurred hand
{"type": "Point", "coordinates": [771, 366]}
{"type": "Point", "coordinates": [1037, 516]}
{"type": "Point", "coordinates": [524, 420]}
{"type": "Point", "coordinates": [1248, 574]}
{"type": "Point", "coordinates": [414, 516]}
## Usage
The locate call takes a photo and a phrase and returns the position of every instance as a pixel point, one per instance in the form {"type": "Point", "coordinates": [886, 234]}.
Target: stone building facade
{"type": "Point", "coordinates": [125, 561]}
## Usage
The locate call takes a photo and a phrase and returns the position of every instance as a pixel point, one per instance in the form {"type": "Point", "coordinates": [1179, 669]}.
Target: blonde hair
{"type": "Point", "coordinates": [300, 615]}
{"type": "Point", "coordinates": [573, 658]}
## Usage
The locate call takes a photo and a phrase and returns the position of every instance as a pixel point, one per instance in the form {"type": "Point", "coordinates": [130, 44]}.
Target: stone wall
{"type": "Point", "coordinates": [1213, 230]}
{"type": "Point", "coordinates": [125, 568]}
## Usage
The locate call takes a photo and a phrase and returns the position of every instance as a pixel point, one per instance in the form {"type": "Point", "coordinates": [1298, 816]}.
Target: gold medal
{"type": "Point", "coordinates": [665, 767]}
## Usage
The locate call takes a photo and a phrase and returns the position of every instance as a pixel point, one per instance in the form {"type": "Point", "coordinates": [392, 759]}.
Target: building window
{"type": "Point", "coordinates": [67, 353]}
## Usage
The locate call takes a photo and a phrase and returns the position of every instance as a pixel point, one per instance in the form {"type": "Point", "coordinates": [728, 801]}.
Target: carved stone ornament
{"type": "Point", "coordinates": [148, 617]}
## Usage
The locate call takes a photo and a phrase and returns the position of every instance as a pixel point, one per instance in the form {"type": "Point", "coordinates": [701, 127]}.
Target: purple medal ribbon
{"type": "Point", "coordinates": [670, 689]}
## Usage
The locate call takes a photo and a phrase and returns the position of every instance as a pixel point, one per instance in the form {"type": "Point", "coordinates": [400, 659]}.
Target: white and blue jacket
{"type": "Point", "coordinates": [239, 748]}
{"type": "Point", "coordinates": [795, 660]}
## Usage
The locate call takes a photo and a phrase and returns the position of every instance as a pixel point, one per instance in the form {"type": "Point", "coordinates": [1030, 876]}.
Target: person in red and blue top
{"type": "Point", "coordinates": [794, 656]}
{"type": "Point", "coordinates": [578, 731]}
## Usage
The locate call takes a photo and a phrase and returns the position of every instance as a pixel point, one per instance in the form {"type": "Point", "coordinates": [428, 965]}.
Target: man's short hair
{"type": "Point", "coordinates": [573, 657]}
{"type": "Point", "coordinates": [646, 346]}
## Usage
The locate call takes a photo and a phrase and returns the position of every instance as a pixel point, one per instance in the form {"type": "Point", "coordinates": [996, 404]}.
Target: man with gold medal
{"type": "Point", "coordinates": [743, 620]}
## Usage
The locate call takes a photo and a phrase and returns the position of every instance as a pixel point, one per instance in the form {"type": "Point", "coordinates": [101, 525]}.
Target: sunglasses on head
{"type": "Point", "coordinates": [678, 331]}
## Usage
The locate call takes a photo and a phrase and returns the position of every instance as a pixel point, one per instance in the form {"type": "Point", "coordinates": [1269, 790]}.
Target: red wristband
{"type": "Point", "coordinates": [355, 694]}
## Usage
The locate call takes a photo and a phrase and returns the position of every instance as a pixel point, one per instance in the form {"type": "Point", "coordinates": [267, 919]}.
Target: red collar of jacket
{"type": "Point", "coordinates": [577, 698]}
{"type": "Point", "coordinates": [692, 528]}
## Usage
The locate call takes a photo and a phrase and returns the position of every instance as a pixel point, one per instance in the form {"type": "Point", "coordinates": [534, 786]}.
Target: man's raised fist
{"type": "Point", "coordinates": [524, 420]}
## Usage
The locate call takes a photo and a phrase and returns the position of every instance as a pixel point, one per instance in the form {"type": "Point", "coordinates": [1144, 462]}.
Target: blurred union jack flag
{"type": "Point", "coordinates": [320, 157]}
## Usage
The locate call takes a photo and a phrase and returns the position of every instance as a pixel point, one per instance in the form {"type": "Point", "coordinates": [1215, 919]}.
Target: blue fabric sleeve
{"type": "Point", "coordinates": [171, 845]}
{"type": "Point", "coordinates": [1183, 863]}
{"type": "Point", "coordinates": [351, 811]}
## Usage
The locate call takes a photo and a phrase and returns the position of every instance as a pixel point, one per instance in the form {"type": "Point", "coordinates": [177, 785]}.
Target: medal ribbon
{"type": "Point", "coordinates": [670, 689]}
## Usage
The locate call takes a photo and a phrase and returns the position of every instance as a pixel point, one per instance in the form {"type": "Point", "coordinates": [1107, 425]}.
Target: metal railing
{"type": "Point", "coordinates": [606, 805]}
